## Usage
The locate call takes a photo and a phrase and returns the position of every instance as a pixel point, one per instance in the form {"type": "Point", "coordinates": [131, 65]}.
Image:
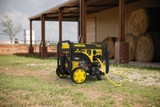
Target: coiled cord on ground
{"type": "Point", "coordinates": [115, 73]}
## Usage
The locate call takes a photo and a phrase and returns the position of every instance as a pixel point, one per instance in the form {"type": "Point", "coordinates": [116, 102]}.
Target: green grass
{"type": "Point", "coordinates": [21, 60]}
{"type": "Point", "coordinates": [30, 88]}
{"type": "Point", "coordinates": [23, 83]}
{"type": "Point", "coordinates": [25, 62]}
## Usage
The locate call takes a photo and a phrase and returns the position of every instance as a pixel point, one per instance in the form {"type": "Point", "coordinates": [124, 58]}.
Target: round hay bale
{"type": "Point", "coordinates": [156, 42]}
{"type": "Point", "coordinates": [144, 48]}
{"type": "Point", "coordinates": [144, 20]}
{"type": "Point", "coordinates": [111, 46]}
{"type": "Point", "coordinates": [132, 46]}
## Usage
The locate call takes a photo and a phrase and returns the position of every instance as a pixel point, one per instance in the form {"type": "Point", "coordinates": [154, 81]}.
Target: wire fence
{"type": "Point", "coordinates": [27, 42]}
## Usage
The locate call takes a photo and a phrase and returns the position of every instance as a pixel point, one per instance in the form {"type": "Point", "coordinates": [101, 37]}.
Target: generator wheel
{"type": "Point", "coordinates": [78, 75]}
{"type": "Point", "coordinates": [60, 74]}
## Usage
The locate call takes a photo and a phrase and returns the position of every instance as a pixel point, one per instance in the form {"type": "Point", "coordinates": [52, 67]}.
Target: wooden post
{"type": "Point", "coordinates": [43, 48]}
{"type": "Point", "coordinates": [83, 12]}
{"type": "Point", "coordinates": [121, 48]}
{"type": "Point", "coordinates": [78, 31]}
{"type": "Point", "coordinates": [43, 29]}
{"type": "Point", "coordinates": [121, 20]}
{"type": "Point", "coordinates": [60, 23]}
{"type": "Point", "coordinates": [30, 48]}
{"type": "Point", "coordinates": [30, 33]}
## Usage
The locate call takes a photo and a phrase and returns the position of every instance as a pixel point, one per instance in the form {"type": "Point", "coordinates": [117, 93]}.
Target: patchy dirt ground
{"type": "Point", "coordinates": [140, 90]}
{"type": "Point", "coordinates": [41, 64]}
{"type": "Point", "coordinates": [18, 71]}
{"type": "Point", "coordinates": [91, 93]}
{"type": "Point", "coordinates": [147, 79]}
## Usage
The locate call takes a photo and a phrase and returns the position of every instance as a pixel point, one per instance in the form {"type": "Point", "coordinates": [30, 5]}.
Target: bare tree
{"type": "Point", "coordinates": [10, 28]}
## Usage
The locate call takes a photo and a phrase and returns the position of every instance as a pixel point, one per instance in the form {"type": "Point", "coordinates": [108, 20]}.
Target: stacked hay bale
{"type": "Point", "coordinates": [132, 46]}
{"type": "Point", "coordinates": [148, 47]}
{"type": "Point", "coordinates": [111, 45]}
{"type": "Point", "coordinates": [144, 20]}
{"type": "Point", "coordinates": [142, 23]}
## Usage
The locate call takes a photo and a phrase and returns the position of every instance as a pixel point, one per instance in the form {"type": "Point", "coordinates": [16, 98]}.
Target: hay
{"type": "Point", "coordinates": [144, 48]}
{"type": "Point", "coordinates": [111, 46]}
{"type": "Point", "coordinates": [132, 46]}
{"type": "Point", "coordinates": [144, 20]}
{"type": "Point", "coordinates": [139, 21]}
{"type": "Point", "coordinates": [156, 42]}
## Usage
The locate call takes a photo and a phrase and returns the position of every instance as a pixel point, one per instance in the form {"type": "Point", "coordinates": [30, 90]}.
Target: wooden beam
{"type": "Point", "coordinates": [71, 19]}
{"type": "Point", "coordinates": [83, 11]}
{"type": "Point", "coordinates": [60, 23]}
{"type": "Point", "coordinates": [121, 20]}
{"type": "Point", "coordinates": [78, 30]}
{"type": "Point", "coordinates": [70, 6]}
{"type": "Point", "coordinates": [56, 13]}
{"type": "Point", "coordinates": [105, 5]}
{"type": "Point", "coordinates": [43, 29]}
{"type": "Point", "coordinates": [30, 48]}
{"type": "Point", "coordinates": [122, 48]}
{"type": "Point", "coordinates": [30, 33]}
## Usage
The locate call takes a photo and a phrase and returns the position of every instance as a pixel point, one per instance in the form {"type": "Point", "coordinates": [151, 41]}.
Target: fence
{"type": "Point", "coordinates": [19, 48]}
{"type": "Point", "coordinates": [36, 42]}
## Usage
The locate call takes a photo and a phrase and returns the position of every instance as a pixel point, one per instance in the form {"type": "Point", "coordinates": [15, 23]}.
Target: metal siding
{"type": "Point", "coordinates": [91, 30]}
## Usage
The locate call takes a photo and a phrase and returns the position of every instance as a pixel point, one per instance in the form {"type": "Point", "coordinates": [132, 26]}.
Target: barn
{"type": "Point", "coordinates": [130, 27]}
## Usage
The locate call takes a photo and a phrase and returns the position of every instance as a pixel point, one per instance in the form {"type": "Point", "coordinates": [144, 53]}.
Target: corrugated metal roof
{"type": "Point", "coordinates": [71, 9]}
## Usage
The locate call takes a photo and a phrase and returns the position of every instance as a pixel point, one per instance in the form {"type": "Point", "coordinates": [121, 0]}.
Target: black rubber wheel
{"type": "Point", "coordinates": [60, 74]}
{"type": "Point", "coordinates": [78, 75]}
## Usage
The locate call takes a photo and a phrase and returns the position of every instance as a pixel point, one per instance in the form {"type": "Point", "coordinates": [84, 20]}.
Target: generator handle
{"type": "Point", "coordinates": [104, 42]}
{"type": "Point", "coordinates": [58, 49]}
{"type": "Point", "coordinates": [66, 41]}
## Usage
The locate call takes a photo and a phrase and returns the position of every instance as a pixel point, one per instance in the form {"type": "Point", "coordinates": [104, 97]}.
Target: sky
{"type": "Point", "coordinates": [21, 10]}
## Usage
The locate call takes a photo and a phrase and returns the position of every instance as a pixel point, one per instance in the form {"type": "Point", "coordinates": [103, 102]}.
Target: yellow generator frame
{"type": "Point", "coordinates": [80, 60]}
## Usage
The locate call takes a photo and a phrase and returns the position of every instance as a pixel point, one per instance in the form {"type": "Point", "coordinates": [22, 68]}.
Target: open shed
{"type": "Point", "coordinates": [97, 19]}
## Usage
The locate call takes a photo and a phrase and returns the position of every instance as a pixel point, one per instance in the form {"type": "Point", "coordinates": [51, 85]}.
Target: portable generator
{"type": "Point", "coordinates": [80, 60]}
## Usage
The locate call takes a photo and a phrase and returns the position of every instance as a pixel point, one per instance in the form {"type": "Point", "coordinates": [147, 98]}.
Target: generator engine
{"type": "Point", "coordinates": [80, 60]}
